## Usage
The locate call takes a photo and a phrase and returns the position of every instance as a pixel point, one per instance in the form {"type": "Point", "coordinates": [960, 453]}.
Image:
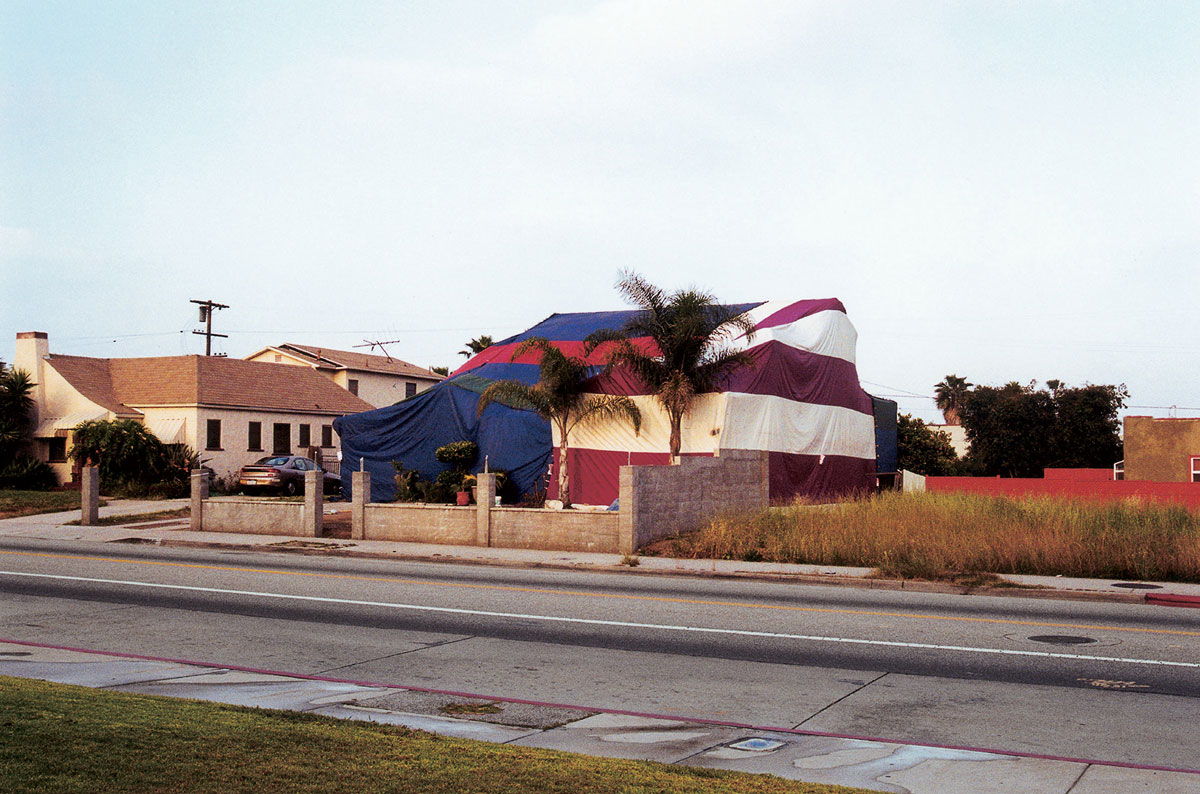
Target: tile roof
{"type": "Point", "coordinates": [364, 362]}
{"type": "Point", "coordinates": [123, 384]}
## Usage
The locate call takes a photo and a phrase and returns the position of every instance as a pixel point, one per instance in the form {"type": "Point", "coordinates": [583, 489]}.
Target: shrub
{"type": "Point", "coordinates": [28, 474]}
{"type": "Point", "coordinates": [458, 454]}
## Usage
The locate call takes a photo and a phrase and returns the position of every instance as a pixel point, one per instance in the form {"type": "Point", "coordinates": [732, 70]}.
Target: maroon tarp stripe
{"type": "Point", "coordinates": [801, 309]}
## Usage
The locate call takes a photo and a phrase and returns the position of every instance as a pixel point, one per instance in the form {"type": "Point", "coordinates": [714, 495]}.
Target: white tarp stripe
{"type": "Point", "coordinates": [777, 424]}
{"type": "Point", "coordinates": [826, 333]}
{"type": "Point", "coordinates": [707, 414]}
{"type": "Point", "coordinates": [738, 421]}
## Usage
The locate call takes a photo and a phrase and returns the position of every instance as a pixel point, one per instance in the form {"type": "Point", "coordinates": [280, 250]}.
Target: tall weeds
{"type": "Point", "coordinates": [937, 535]}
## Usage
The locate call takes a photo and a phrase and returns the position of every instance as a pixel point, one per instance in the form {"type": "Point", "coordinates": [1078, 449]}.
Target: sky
{"type": "Point", "coordinates": [1006, 191]}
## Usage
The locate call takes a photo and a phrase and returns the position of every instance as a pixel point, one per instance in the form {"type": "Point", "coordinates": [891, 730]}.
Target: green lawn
{"type": "Point", "coordinates": [59, 738]}
{"type": "Point", "coordinates": [28, 503]}
{"type": "Point", "coordinates": [136, 518]}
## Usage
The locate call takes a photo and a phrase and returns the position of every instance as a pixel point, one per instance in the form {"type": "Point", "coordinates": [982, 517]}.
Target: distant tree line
{"type": "Point", "coordinates": [1018, 430]}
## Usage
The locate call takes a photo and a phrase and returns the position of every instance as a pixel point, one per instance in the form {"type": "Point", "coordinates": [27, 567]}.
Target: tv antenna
{"type": "Point", "coordinates": [380, 345]}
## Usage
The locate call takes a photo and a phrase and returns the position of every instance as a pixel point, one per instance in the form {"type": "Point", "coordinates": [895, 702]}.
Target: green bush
{"type": "Point", "coordinates": [459, 454]}
{"type": "Point", "coordinates": [27, 474]}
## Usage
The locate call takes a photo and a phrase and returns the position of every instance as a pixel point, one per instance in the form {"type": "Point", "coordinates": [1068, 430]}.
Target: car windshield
{"type": "Point", "coordinates": [277, 461]}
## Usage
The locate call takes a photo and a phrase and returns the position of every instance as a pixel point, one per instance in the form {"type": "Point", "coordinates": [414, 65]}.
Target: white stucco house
{"type": "Point", "coordinates": [379, 380]}
{"type": "Point", "coordinates": [231, 411]}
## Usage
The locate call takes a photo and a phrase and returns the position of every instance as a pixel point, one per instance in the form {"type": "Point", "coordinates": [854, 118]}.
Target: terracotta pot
{"type": "Point", "coordinates": [464, 498]}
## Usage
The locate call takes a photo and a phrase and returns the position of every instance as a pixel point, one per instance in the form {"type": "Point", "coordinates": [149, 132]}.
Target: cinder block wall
{"type": "Point", "coordinates": [660, 501]}
{"type": "Point", "coordinates": [560, 530]}
{"type": "Point", "coordinates": [417, 523]}
{"type": "Point", "coordinates": [254, 518]}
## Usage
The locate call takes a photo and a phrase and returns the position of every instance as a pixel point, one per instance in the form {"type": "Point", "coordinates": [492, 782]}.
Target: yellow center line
{"type": "Point", "coordinates": [614, 596]}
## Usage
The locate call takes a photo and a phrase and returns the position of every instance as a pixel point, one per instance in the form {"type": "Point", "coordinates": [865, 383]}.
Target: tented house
{"type": "Point", "coordinates": [799, 400]}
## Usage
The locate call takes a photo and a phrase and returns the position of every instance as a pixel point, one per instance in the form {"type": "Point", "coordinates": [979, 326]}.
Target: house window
{"type": "Point", "coordinates": [305, 436]}
{"type": "Point", "coordinates": [58, 450]}
{"type": "Point", "coordinates": [213, 437]}
{"type": "Point", "coordinates": [254, 436]}
{"type": "Point", "coordinates": [410, 389]}
{"type": "Point", "coordinates": [327, 435]}
{"type": "Point", "coordinates": [352, 385]}
{"type": "Point", "coordinates": [1196, 468]}
{"type": "Point", "coordinates": [282, 439]}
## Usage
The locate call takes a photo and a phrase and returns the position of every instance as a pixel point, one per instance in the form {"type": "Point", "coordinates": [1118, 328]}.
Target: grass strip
{"type": "Point", "coordinates": [947, 536]}
{"type": "Point", "coordinates": [59, 738]}
{"type": "Point", "coordinates": [15, 503]}
{"type": "Point", "coordinates": [136, 518]}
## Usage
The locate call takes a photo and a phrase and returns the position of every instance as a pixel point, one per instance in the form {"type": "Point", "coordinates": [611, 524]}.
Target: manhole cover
{"type": "Point", "coordinates": [1062, 639]}
{"type": "Point", "coordinates": [1137, 586]}
{"type": "Point", "coordinates": [757, 744]}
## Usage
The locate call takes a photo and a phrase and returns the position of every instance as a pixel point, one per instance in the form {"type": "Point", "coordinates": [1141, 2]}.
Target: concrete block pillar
{"type": "Point", "coordinates": [485, 497]}
{"type": "Point", "coordinates": [199, 494]}
{"type": "Point", "coordinates": [360, 494]}
{"type": "Point", "coordinates": [314, 504]}
{"type": "Point", "coordinates": [627, 535]}
{"type": "Point", "coordinates": [90, 496]}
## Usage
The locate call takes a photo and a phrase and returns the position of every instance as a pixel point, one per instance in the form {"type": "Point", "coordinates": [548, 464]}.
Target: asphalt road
{"type": "Point", "coordinates": [1092, 680]}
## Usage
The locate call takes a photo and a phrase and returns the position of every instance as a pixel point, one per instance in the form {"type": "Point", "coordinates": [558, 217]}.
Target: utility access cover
{"type": "Point", "coordinates": [1062, 639]}
{"type": "Point", "coordinates": [757, 744]}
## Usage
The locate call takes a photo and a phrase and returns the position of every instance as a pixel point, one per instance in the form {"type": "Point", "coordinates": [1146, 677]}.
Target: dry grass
{"type": "Point", "coordinates": [939, 536]}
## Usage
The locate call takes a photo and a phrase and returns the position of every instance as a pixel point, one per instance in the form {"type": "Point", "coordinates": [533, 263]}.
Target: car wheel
{"type": "Point", "coordinates": [290, 489]}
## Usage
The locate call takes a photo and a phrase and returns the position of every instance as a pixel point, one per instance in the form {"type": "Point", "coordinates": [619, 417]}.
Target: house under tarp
{"type": "Point", "coordinates": [799, 400]}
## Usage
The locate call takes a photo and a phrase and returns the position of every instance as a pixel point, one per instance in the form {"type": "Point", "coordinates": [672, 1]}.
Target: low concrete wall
{"type": "Point", "coordinates": [418, 523]}
{"type": "Point", "coordinates": [253, 518]}
{"type": "Point", "coordinates": [557, 530]}
{"type": "Point", "coordinates": [656, 501]}
{"type": "Point", "coordinates": [660, 501]}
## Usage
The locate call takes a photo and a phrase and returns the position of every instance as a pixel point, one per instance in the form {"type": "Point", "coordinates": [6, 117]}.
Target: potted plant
{"type": "Point", "coordinates": [459, 455]}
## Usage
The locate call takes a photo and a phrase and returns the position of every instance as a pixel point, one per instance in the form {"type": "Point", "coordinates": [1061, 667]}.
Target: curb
{"type": "Point", "coordinates": [1173, 600]}
{"type": "Point", "coordinates": [913, 586]}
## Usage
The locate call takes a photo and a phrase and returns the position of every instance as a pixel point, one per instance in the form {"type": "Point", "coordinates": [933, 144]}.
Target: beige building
{"type": "Point", "coordinates": [1162, 450]}
{"type": "Point", "coordinates": [230, 411]}
{"type": "Point", "coordinates": [958, 438]}
{"type": "Point", "coordinates": [380, 380]}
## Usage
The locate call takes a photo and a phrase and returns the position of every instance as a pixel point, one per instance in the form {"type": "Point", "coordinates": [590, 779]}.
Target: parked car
{"type": "Point", "coordinates": [283, 473]}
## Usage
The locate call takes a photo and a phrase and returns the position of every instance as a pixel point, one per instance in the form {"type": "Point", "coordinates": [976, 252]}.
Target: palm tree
{"type": "Point", "coordinates": [16, 405]}
{"type": "Point", "coordinates": [950, 396]}
{"type": "Point", "coordinates": [694, 337]}
{"type": "Point", "coordinates": [559, 396]}
{"type": "Point", "coordinates": [476, 345]}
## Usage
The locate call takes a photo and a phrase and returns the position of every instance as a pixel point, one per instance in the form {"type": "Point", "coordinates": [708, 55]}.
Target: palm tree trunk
{"type": "Point", "coordinates": [564, 483]}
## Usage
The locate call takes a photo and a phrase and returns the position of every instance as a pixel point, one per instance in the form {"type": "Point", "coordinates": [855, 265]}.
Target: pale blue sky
{"type": "Point", "coordinates": [1002, 190]}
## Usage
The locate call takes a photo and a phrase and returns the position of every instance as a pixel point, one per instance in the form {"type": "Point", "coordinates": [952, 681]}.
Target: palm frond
{"type": "Point", "coordinates": [599, 407]}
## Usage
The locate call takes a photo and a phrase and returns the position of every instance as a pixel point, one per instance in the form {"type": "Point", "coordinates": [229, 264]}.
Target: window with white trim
{"type": "Point", "coordinates": [1196, 468]}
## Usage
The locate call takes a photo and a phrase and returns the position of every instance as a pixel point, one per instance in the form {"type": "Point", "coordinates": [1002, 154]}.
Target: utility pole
{"type": "Point", "coordinates": [206, 313]}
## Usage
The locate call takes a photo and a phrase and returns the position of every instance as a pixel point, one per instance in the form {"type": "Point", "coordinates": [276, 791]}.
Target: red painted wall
{"type": "Point", "coordinates": [1185, 493]}
{"type": "Point", "coordinates": [1079, 475]}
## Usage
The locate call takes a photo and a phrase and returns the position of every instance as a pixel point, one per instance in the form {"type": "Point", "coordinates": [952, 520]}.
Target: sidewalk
{"type": "Point", "coordinates": [846, 760]}
{"type": "Point", "coordinates": [176, 532]}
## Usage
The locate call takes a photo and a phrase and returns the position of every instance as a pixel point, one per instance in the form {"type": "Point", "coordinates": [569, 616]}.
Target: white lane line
{"type": "Point", "coordinates": [615, 623]}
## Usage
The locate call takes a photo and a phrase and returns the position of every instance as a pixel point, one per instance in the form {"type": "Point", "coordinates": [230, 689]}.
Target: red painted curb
{"type": "Point", "coordinates": [646, 715]}
{"type": "Point", "coordinates": [1173, 600]}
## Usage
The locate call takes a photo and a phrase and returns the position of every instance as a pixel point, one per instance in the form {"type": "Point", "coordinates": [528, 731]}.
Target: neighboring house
{"type": "Point", "coordinates": [380, 380]}
{"type": "Point", "coordinates": [230, 411]}
{"type": "Point", "coordinates": [1162, 450]}
{"type": "Point", "coordinates": [958, 438]}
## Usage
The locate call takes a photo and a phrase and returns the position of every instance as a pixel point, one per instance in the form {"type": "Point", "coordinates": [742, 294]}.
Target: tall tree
{"type": "Point", "coordinates": [476, 345]}
{"type": "Point", "coordinates": [923, 450]}
{"type": "Point", "coordinates": [693, 337]}
{"type": "Point", "coordinates": [1018, 431]}
{"type": "Point", "coordinates": [950, 395]}
{"type": "Point", "coordinates": [559, 396]}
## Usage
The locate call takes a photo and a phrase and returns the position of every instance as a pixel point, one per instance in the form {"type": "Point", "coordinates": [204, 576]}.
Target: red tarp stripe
{"type": "Point", "coordinates": [595, 474]}
{"type": "Point", "coordinates": [503, 353]}
{"type": "Point", "coordinates": [778, 370]}
{"type": "Point", "coordinates": [800, 309]}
